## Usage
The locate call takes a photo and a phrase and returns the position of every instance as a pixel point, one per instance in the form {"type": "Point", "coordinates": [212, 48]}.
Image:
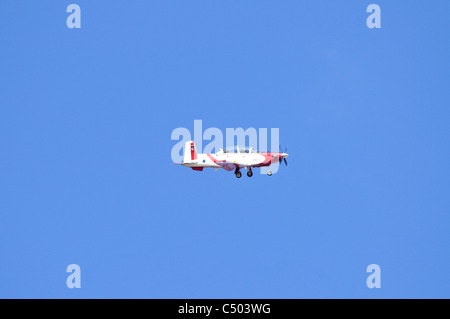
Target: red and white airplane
{"type": "Point", "coordinates": [231, 159]}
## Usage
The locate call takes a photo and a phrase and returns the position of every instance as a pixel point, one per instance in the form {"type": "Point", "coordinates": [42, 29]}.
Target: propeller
{"type": "Point", "coordinates": [285, 152]}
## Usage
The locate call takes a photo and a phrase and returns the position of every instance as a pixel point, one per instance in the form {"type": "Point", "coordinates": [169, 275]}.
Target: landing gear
{"type": "Point", "coordinates": [237, 172]}
{"type": "Point", "coordinates": [249, 173]}
{"type": "Point", "coordinates": [269, 173]}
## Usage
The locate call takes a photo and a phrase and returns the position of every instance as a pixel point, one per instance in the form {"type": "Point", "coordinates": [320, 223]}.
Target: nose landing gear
{"type": "Point", "coordinates": [249, 173]}
{"type": "Point", "coordinates": [237, 172]}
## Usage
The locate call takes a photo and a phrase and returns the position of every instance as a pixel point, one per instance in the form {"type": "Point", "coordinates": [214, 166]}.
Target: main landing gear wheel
{"type": "Point", "coordinates": [249, 173]}
{"type": "Point", "coordinates": [269, 173]}
{"type": "Point", "coordinates": [238, 174]}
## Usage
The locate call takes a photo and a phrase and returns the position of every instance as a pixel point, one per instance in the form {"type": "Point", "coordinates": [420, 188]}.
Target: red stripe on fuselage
{"type": "Point", "coordinates": [268, 159]}
{"type": "Point", "coordinates": [193, 152]}
{"type": "Point", "coordinates": [214, 160]}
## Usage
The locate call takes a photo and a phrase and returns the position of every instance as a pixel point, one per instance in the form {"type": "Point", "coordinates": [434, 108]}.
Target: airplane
{"type": "Point", "coordinates": [231, 159]}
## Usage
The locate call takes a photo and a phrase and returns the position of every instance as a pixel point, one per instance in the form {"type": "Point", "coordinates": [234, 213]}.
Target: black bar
{"type": "Point", "coordinates": [227, 308]}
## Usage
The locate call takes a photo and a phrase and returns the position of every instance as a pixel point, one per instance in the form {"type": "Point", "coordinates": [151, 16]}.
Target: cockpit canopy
{"type": "Point", "coordinates": [239, 149]}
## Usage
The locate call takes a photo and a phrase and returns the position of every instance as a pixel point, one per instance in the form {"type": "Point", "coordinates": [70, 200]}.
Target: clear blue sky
{"type": "Point", "coordinates": [86, 174]}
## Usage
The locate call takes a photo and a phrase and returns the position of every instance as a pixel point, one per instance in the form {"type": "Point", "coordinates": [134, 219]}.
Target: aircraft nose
{"type": "Point", "coordinates": [284, 155]}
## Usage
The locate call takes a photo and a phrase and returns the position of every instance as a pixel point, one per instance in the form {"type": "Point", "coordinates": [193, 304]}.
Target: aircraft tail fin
{"type": "Point", "coordinates": [190, 152]}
